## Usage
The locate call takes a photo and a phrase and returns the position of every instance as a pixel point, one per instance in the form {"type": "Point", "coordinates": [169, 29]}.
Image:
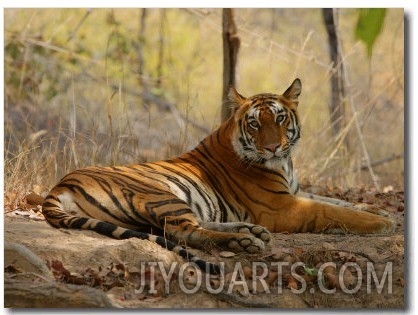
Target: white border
{"type": "Point", "coordinates": [410, 188]}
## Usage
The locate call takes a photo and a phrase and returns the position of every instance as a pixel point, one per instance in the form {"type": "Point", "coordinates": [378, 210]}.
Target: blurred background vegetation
{"type": "Point", "coordinates": [117, 86]}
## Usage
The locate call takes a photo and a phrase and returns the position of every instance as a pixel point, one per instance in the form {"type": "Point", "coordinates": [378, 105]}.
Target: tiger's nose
{"type": "Point", "coordinates": [272, 147]}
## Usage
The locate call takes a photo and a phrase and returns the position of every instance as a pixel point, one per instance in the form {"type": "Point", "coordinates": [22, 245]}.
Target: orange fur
{"type": "Point", "coordinates": [231, 190]}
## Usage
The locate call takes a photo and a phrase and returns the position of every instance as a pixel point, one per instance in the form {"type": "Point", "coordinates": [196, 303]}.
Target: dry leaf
{"type": "Point", "coordinates": [272, 276]}
{"type": "Point", "coordinates": [291, 282]}
{"type": "Point", "coordinates": [58, 268]}
{"type": "Point", "coordinates": [298, 251]}
{"type": "Point", "coordinates": [289, 259]}
{"type": "Point", "coordinates": [331, 277]}
{"type": "Point", "coordinates": [34, 199]}
{"type": "Point", "coordinates": [348, 278]}
{"type": "Point", "coordinates": [248, 272]}
{"type": "Point", "coordinates": [279, 252]}
{"type": "Point", "coordinates": [12, 269]}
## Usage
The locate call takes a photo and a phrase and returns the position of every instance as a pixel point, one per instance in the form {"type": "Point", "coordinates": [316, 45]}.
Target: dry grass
{"type": "Point", "coordinates": [73, 98]}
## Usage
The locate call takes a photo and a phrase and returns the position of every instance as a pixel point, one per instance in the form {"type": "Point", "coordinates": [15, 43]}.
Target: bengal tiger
{"type": "Point", "coordinates": [231, 191]}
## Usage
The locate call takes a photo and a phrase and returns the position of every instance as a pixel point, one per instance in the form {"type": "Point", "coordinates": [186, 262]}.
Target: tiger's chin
{"type": "Point", "coordinates": [270, 161]}
{"type": "Point", "coordinates": [281, 155]}
{"type": "Point", "coordinates": [278, 162]}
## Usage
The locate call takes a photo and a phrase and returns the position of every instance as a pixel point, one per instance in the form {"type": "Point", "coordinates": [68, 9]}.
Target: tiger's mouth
{"type": "Point", "coordinates": [277, 155]}
{"type": "Point", "coordinates": [280, 155]}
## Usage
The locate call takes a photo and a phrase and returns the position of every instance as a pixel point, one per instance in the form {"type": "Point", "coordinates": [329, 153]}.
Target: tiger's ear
{"type": "Point", "coordinates": [293, 91]}
{"type": "Point", "coordinates": [235, 99]}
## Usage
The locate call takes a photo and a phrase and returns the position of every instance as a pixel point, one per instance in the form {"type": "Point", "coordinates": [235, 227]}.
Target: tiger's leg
{"type": "Point", "coordinates": [343, 203]}
{"type": "Point", "coordinates": [297, 214]}
{"type": "Point", "coordinates": [229, 237]}
{"type": "Point", "coordinates": [239, 227]}
{"type": "Point", "coordinates": [333, 201]}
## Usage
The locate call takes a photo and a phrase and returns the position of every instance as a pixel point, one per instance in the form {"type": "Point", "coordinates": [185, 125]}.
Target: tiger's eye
{"type": "Point", "coordinates": [254, 124]}
{"type": "Point", "coordinates": [280, 118]}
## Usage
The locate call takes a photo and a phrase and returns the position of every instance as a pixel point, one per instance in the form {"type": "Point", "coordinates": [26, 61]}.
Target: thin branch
{"type": "Point", "coordinates": [359, 133]}
{"type": "Point", "coordinates": [24, 274]}
{"type": "Point", "coordinates": [383, 161]}
{"type": "Point", "coordinates": [373, 164]}
{"type": "Point", "coordinates": [75, 30]}
{"type": "Point", "coordinates": [59, 49]}
{"type": "Point", "coordinates": [340, 138]}
{"type": "Point", "coordinates": [164, 105]}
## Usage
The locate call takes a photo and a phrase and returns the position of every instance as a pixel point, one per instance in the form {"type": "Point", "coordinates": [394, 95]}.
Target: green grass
{"type": "Point", "coordinates": [73, 91]}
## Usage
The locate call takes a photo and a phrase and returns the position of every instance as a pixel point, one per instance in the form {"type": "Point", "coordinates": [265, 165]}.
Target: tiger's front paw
{"type": "Point", "coordinates": [380, 222]}
{"type": "Point", "coordinates": [372, 224]}
{"type": "Point", "coordinates": [383, 226]}
{"type": "Point", "coordinates": [258, 231]}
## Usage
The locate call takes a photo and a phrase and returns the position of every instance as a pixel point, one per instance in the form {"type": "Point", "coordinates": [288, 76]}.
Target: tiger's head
{"type": "Point", "coordinates": [267, 125]}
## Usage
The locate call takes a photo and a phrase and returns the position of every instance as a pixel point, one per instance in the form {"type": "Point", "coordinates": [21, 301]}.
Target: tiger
{"type": "Point", "coordinates": [231, 191]}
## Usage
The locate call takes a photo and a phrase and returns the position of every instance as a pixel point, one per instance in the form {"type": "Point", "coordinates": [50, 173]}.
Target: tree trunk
{"type": "Point", "coordinates": [337, 108]}
{"type": "Point", "coordinates": [231, 45]}
{"type": "Point", "coordinates": [140, 50]}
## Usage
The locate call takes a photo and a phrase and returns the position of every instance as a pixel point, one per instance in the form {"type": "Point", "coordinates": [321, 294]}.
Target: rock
{"type": "Point", "coordinates": [21, 294]}
{"type": "Point", "coordinates": [25, 260]}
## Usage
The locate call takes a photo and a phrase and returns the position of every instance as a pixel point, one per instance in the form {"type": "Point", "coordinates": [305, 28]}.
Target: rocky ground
{"type": "Point", "coordinates": [46, 267]}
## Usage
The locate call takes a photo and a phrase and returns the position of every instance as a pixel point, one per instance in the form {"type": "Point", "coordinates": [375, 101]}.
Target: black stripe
{"type": "Point", "coordinates": [49, 204]}
{"type": "Point", "coordinates": [184, 187]}
{"type": "Point", "coordinates": [217, 198]}
{"type": "Point", "coordinates": [220, 166]}
{"type": "Point", "coordinates": [77, 223]}
{"type": "Point", "coordinates": [215, 179]}
{"type": "Point", "coordinates": [89, 198]}
{"type": "Point", "coordinates": [150, 205]}
{"type": "Point", "coordinates": [120, 174]}
{"type": "Point", "coordinates": [177, 213]}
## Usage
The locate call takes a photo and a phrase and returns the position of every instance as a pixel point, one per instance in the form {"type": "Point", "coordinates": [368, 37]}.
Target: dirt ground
{"type": "Point", "coordinates": [72, 268]}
